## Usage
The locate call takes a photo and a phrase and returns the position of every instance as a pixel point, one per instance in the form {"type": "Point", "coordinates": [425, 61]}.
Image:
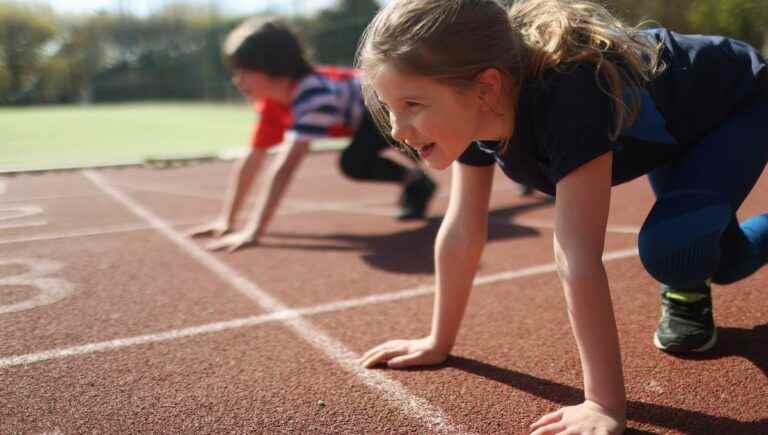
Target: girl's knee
{"type": "Point", "coordinates": [679, 242]}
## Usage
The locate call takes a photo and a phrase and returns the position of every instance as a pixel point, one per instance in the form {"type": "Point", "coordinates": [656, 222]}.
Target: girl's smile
{"type": "Point", "coordinates": [426, 150]}
{"type": "Point", "coordinates": [436, 120]}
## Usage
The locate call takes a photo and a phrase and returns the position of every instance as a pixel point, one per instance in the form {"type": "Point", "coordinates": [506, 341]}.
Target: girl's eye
{"type": "Point", "coordinates": [412, 104]}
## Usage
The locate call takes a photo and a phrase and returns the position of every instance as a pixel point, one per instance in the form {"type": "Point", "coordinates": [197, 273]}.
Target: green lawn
{"type": "Point", "coordinates": [64, 136]}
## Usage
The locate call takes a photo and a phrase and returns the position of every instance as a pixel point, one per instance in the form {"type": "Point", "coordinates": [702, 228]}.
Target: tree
{"type": "Point", "coordinates": [743, 19]}
{"type": "Point", "coordinates": [336, 31]}
{"type": "Point", "coordinates": [24, 33]}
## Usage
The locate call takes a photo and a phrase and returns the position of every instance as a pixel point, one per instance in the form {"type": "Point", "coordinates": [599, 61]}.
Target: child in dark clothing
{"type": "Point", "coordinates": [568, 100]}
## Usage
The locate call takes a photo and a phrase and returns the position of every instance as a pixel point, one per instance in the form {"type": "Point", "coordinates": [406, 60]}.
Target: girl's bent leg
{"type": "Point", "coordinates": [691, 234]}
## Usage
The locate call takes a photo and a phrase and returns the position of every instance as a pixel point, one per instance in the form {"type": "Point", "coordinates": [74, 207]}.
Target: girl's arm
{"type": "Point", "coordinates": [279, 176]}
{"type": "Point", "coordinates": [241, 180]}
{"type": "Point", "coordinates": [581, 207]}
{"type": "Point", "coordinates": [458, 247]}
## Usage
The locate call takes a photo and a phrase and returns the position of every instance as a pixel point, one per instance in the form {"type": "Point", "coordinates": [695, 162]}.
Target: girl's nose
{"type": "Point", "coordinates": [398, 130]}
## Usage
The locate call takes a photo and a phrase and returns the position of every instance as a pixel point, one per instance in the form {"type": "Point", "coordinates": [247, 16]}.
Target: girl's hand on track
{"type": "Point", "coordinates": [232, 242]}
{"type": "Point", "coordinates": [587, 418]}
{"type": "Point", "coordinates": [216, 228]}
{"type": "Point", "coordinates": [398, 354]}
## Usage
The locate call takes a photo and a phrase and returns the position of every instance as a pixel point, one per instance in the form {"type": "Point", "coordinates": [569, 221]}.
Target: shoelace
{"type": "Point", "coordinates": [695, 311]}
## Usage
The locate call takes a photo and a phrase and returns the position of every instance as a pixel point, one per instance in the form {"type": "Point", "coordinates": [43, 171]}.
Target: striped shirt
{"type": "Point", "coordinates": [326, 103]}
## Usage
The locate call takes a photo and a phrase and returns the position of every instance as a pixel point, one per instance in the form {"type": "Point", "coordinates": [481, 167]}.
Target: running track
{"type": "Point", "coordinates": [113, 322]}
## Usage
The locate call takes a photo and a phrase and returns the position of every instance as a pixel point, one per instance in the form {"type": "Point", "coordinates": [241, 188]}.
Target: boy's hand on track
{"type": "Point", "coordinates": [213, 229]}
{"type": "Point", "coordinates": [232, 242]}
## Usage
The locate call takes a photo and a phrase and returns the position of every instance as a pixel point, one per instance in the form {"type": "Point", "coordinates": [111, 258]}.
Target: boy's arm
{"type": "Point", "coordinates": [241, 180]}
{"type": "Point", "coordinates": [277, 179]}
{"type": "Point", "coordinates": [582, 204]}
{"type": "Point", "coordinates": [241, 183]}
{"type": "Point", "coordinates": [458, 248]}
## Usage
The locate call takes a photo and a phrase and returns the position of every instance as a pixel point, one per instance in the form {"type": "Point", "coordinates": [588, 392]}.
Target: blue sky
{"type": "Point", "coordinates": [143, 7]}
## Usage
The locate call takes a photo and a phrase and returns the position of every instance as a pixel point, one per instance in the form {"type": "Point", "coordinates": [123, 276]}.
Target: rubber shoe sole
{"type": "Point", "coordinates": [675, 348]}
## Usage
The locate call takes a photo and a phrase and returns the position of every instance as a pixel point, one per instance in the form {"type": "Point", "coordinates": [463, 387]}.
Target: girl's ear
{"type": "Point", "coordinates": [490, 84]}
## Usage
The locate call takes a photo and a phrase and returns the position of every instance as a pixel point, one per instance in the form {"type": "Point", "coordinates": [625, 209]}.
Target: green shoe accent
{"type": "Point", "coordinates": [687, 323]}
{"type": "Point", "coordinates": [685, 297]}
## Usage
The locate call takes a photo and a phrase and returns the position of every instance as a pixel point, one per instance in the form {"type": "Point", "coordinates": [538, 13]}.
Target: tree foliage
{"type": "Point", "coordinates": [335, 32]}
{"type": "Point", "coordinates": [743, 19]}
{"type": "Point", "coordinates": [24, 32]}
{"type": "Point", "coordinates": [175, 52]}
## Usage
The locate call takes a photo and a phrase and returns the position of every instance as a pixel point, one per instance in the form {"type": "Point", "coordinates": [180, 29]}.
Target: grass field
{"type": "Point", "coordinates": [79, 136]}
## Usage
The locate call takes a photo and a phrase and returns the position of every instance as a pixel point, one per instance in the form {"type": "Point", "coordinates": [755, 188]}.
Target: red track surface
{"type": "Point", "coordinates": [243, 370]}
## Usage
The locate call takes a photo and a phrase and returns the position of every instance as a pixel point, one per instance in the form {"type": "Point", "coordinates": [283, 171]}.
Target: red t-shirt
{"type": "Point", "coordinates": [274, 120]}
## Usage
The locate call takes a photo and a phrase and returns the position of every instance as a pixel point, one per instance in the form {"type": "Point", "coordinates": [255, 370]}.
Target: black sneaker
{"type": "Point", "coordinates": [415, 197]}
{"type": "Point", "coordinates": [686, 323]}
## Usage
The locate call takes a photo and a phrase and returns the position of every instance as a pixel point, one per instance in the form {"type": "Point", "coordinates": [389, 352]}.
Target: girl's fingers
{"type": "Point", "coordinates": [372, 360]}
{"type": "Point", "coordinates": [383, 357]}
{"type": "Point", "coordinates": [388, 345]}
{"type": "Point", "coordinates": [374, 350]}
{"type": "Point", "coordinates": [552, 417]}
{"type": "Point", "coordinates": [403, 361]}
{"type": "Point", "coordinates": [549, 429]}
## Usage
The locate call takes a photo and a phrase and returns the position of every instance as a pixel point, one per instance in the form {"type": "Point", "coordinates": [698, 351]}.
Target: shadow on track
{"type": "Point", "coordinates": [668, 417]}
{"type": "Point", "coordinates": [751, 344]}
{"type": "Point", "coordinates": [411, 250]}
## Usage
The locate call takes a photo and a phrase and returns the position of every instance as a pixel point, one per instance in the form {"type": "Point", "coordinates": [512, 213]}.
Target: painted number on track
{"type": "Point", "coordinates": [48, 289]}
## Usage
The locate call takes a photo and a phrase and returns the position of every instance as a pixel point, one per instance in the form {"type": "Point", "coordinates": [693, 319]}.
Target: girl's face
{"type": "Point", "coordinates": [434, 119]}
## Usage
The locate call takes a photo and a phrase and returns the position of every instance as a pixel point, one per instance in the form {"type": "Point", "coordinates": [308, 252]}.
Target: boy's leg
{"type": "Point", "coordinates": [691, 235]}
{"type": "Point", "coordinates": [362, 160]}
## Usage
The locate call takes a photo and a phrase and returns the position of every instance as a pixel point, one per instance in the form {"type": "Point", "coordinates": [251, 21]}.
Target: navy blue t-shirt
{"type": "Point", "coordinates": [565, 120]}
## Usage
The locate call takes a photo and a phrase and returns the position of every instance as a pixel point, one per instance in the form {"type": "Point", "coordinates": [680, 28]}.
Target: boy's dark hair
{"type": "Point", "coordinates": [268, 46]}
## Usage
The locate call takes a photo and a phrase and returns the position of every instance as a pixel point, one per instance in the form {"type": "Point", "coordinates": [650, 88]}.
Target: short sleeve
{"type": "Point", "coordinates": [474, 156]}
{"type": "Point", "coordinates": [316, 113]}
{"type": "Point", "coordinates": [579, 121]}
{"type": "Point", "coordinates": [274, 119]}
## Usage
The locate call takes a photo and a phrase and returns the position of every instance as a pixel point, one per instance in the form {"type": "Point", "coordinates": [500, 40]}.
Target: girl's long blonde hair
{"type": "Point", "coordinates": [455, 40]}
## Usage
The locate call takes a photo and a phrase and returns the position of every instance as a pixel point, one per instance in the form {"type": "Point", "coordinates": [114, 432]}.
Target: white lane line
{"type": "Point", "coordinates": [19, 213]}
{"type": "Point", "coordinates": [543, 223]}
{"type": "Point", "coordinates": [393, 391]}
{"type": "Point", "coordinates": [292, 209]}
{"type": "Point", "coordinates": [134, 341]}
{"type": "Point", "coordinates": [112, 229]}
{"type": "Point", "coordinates": [32, 223]}
{"type": "Point", "coordinates": [115, 229]}
{"type": "Point", "coordinates": [52, 197]}
{"type": "Point", "coordinates": [170, 190]}
{"type": "Point", "coordinates": [330, 307]}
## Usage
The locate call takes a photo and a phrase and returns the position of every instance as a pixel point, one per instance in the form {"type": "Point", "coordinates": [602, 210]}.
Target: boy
{"type": "Point", "coordinates": [269, 67]}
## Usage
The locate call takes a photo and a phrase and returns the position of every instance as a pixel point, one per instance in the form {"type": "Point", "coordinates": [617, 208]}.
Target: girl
{"type": "Point", "coordinates": [270, 67]}
{"type": "Point", "coordinates": [567, 99]}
